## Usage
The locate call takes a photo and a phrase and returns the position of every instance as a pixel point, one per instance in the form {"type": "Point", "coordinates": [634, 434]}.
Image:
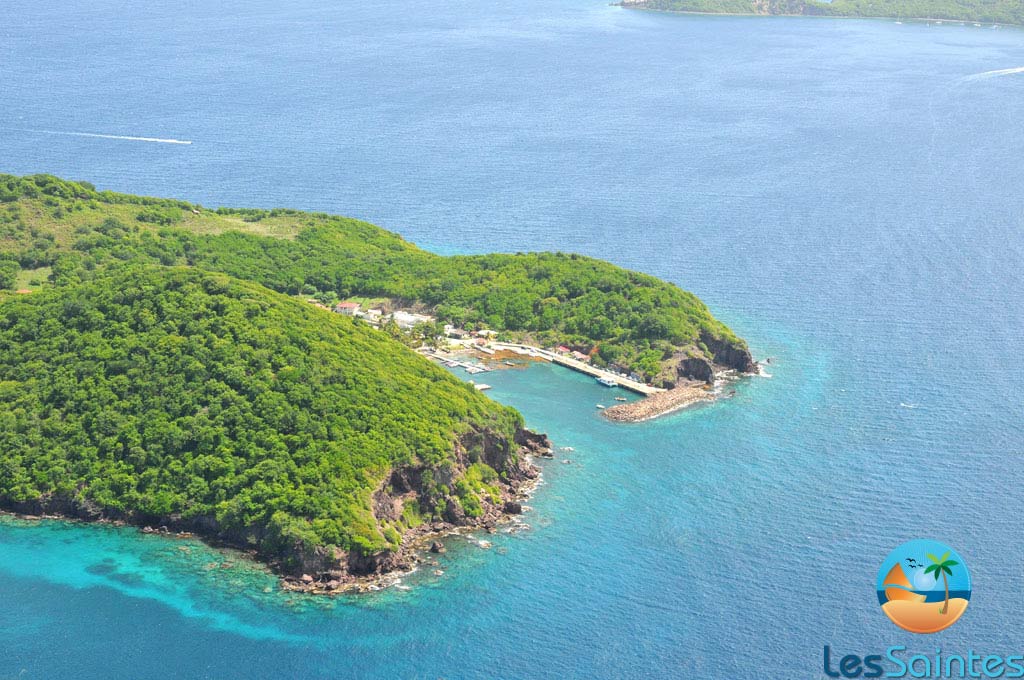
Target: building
{"type": "Point", "coordinates": [580, 356]}
{"type": "Point", "coordinates": [486, 333]}
{"type": "Point", "coordinates": [347, 308]}
{"type": "Point", "coordinates": [406, 320]}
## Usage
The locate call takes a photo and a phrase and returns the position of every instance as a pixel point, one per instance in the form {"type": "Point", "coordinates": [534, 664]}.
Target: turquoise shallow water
{"type": "Point", "coordinates": [846, 194]}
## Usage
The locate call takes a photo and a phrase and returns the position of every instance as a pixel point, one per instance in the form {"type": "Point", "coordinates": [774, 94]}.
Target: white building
{"type": "Point", "coordinates": [406, 320]}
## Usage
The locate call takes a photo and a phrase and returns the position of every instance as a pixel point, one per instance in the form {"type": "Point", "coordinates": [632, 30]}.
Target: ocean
{"type": "Point", "coordinates": [846, 194]}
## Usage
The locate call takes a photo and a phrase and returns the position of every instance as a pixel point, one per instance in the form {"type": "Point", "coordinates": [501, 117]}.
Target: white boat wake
{"type": "Point", "coordinates": [157, 140]}
{"type": "Point", "coordinates": [993, 74]}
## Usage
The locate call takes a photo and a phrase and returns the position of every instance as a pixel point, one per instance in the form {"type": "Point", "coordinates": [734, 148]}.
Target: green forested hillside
{"type": "Point", "coordinates": [989, 11]}
{"type": "Point", "coordinates": [176, 395]}
{"type": "Point", "coordinates": [632, 319]}
{"type": "Point", "coordinates": [996, 11]}
{"type": "Point", "coordinates": [152, 373]}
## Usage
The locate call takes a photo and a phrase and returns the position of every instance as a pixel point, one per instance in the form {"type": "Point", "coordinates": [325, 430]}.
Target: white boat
{"type": "Point", "coordinates": [607, 382]}
{"type": "Point", "coordinates": [600, 405]}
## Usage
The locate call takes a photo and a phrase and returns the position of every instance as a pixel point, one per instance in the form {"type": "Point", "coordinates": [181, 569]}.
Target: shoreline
{"type": "Point", "coordinates": [417, 552]}
{"type": "Point", "coordinates": [416, 542]}
{"type": "Point", "coordinates": [420, 549]}
{"type": "Point", "coordinates": [642, 7]}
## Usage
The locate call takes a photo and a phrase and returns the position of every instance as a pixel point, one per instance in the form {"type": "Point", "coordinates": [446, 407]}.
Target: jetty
{"type": "Point", "coordinates": [582, 367]}
{"type": "Point", "coordinates": [472, 369]}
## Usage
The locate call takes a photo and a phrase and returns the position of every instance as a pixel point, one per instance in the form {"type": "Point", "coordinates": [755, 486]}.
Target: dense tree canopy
{"type": "Point", "coordinates": [628, 318]}
{"type": "Point", "coordinates": [157, 392]}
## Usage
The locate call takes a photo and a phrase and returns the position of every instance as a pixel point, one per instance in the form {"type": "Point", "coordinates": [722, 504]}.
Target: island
{"type": "Point", "coordinates": [987, 11]}
{"type": "Point", "coordinates": [204, 371]}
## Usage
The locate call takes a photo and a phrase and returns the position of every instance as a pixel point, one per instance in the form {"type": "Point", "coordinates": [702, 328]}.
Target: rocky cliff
{"type": "Point", "coordinates": [435, 493]}
{"type": "Point", "coordinates": [704, 363]}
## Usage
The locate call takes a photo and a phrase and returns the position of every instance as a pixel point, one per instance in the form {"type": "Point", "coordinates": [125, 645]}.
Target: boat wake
{"type": "Point", "coordinates": [993, 74]}
{"type": "Point", "coordinates": [157, 140]}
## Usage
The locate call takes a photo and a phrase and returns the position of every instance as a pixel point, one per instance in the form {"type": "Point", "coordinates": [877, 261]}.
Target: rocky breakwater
{"type": "Point", "coordinates": [659, 404]}
{"type": "Point", "coordinates": [436, 494]}
{"type": "Point", "coordinates": [689, 377]}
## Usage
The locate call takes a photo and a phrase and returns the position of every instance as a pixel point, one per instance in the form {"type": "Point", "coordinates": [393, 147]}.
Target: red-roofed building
{"type": "Point", "coordinates": [347, 308]}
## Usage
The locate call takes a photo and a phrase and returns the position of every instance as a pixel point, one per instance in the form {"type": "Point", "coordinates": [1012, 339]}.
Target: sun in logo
{"type": "Point", "coordinates": [924, 586]}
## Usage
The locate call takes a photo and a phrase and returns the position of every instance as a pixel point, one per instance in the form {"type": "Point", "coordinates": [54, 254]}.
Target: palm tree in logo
{"type": "Point", "coordinates": [943, 566]}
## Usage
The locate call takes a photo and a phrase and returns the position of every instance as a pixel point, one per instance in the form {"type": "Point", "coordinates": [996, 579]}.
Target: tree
{"type": "Point", "coordinates": [941, 565]}
{"type": "Point", "coordinates": [8, 273]}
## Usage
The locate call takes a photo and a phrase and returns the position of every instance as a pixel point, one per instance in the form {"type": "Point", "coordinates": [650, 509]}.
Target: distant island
{"type": "Point", "coordinates": [986, 11]}
{"type": "Point", "coordinates": [162, 365]}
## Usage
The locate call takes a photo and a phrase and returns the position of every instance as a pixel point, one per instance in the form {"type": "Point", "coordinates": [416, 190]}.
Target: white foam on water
{"type": "Point", "coordinates": [993, 74]}
{"type": "Point", "coordinates": [96, 135]}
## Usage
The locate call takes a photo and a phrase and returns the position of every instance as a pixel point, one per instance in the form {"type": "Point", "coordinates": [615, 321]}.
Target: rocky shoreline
{"type": "Point", "coordinates": [334, 572]}
{"type": "Point", "coordinates": [419, 542]}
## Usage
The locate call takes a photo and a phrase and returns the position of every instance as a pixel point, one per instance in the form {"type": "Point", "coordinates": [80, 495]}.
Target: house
{"type": "Point", "coordinates": [373, 315]}
{"type": "Point", "coordinates": [406, 320]}
{"type": "Point", "coordinates": [455, 333]}
{"type": "Point", "coordinates": [580, 356]}
{"type": "Point", "coordinates": [486, 333]}
{"type": "Point", "coordinates": [347, 308]}
{"type": "Point", "coordinates": [562, 349]}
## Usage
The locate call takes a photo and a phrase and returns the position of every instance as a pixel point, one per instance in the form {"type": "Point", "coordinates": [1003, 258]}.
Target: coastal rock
{"type": "Point", "coordinates": [533, 442]}
{"type": "Point", "coordinates": [454, 513]}
{"type": "Point", "coordinates": [513, 507]}
{"type": "Point", "coordinates": [437, 547]}
{"type": "Point", "coordinates": [697, 368]}
{"type": "Point", "coordinates": [729, 354]}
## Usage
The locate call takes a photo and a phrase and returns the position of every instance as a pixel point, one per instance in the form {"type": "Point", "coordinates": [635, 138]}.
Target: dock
{"type": "Point", "coordinates": [472, 369]}
{"type": "Point", "coordinates": [569, 362]}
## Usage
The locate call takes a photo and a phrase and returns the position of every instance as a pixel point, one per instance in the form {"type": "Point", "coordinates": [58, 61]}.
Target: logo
{"type": "Point", "coordinates": [924, 586]}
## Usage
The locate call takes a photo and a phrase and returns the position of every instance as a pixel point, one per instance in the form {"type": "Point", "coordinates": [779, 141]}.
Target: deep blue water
{"type": "Point", "coordinates": [846, 194]}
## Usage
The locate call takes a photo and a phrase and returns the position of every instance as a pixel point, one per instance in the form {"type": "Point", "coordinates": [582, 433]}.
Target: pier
{"type": "Point", "coordinates": [472, 369]}
{"type": "Point", "coordinates": [569, 362]}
